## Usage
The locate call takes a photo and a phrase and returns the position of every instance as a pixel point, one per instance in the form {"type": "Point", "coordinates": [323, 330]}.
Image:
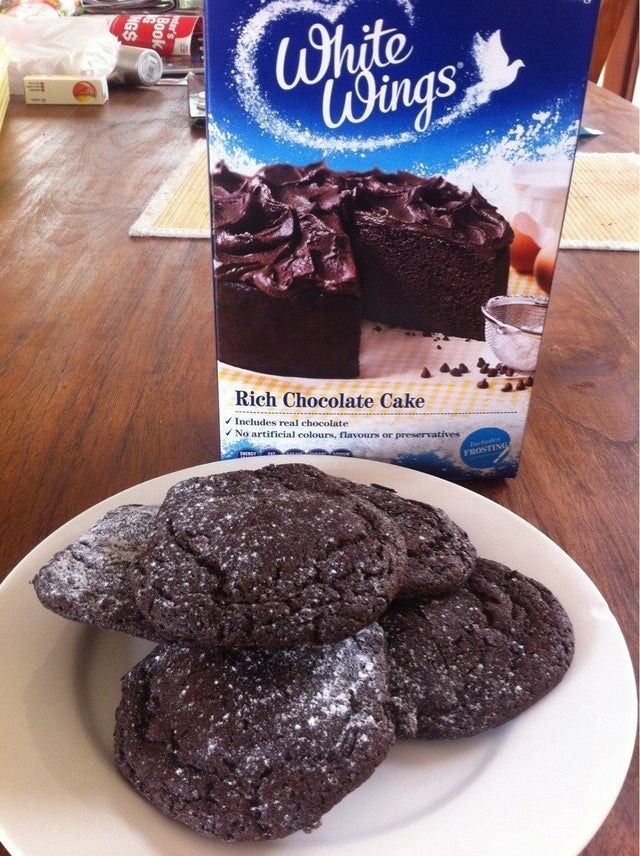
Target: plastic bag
{"type": "Point", "coordinates": [73, 45]}
{"type": "Point", "coordinates": [28, 9]}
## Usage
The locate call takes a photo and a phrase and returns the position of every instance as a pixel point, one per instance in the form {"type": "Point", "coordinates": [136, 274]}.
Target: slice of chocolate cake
{"type": "Point", "coordinates": [428, 254]}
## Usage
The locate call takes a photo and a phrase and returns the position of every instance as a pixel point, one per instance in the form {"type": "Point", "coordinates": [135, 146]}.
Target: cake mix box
{"type": "Point", "coordinates": [388, 182]}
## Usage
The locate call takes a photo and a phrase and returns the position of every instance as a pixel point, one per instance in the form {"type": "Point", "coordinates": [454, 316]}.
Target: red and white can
{"type": "Point", "coordinates": [168, 35]}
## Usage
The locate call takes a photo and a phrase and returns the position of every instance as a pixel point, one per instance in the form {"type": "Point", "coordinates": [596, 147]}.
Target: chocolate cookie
{"type": "Point", "coordinates": [88, 581]}
{"type": "Point", "coordinates": [283, 555]}
{"type": "Point", "coordinates": [474, 659]}
{"type": "Point", "coordinates": [250, 744]}
{"type": "Point", "coordinates": [440, 555]}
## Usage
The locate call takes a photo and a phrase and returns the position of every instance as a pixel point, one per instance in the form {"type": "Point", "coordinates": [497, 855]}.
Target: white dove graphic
{"type": "Point", "coordinates": [495, 71]}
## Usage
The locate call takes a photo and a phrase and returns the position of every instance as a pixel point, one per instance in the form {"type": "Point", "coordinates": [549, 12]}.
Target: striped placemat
{"type": "Point", "coordinates": [602, 211]}
{"type": "Point", "coordinates": [180, 206]}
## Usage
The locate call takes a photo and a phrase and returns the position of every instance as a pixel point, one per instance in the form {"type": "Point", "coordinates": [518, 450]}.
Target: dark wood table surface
{"type": "Point", "coordinates": [106, 353]}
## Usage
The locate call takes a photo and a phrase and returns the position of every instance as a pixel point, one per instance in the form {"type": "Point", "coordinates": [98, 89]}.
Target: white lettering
{"type": "Point", "coordinates": [327, 59]}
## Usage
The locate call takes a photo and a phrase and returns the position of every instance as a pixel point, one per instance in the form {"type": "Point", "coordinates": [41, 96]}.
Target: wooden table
{"type": "Point", "coordinates": [106, 352]}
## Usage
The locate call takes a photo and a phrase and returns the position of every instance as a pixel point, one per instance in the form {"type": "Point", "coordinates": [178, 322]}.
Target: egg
{"type": "Point", "coordinates": [545, 265]}
{"type": "Point", "coordinates": [523, 251]}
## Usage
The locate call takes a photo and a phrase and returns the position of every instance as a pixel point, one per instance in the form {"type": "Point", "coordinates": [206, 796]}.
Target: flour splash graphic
{"type": "Point", "coordinates": [257, 104]}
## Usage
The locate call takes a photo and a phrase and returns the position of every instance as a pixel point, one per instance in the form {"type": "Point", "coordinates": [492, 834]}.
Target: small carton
{"type": "Point", "coordinates": [388, 183]}
{"type": "Point", "coordinates": [65, 89]}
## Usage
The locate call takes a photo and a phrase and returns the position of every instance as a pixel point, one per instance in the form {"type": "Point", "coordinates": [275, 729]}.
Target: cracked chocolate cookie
{"type": "Point", "coordinates": [250, 744]}
{"type": "Point", "coordinates": [88, 581]}
{"type": "Point", "coordinates": [283, 555]}
{"type": "Point", "coordinates": [440, 555]}
{"type": "Point", "coordinates": [472, 660]}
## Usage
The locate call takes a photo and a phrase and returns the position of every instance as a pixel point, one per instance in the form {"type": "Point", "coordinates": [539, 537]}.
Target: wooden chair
{"type": "Point", "coordinates": [615, 50]}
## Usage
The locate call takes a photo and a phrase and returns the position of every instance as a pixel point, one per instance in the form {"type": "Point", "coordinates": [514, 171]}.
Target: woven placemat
{"type": "Point", "coordinates": [180, 206]}
{"type": "Point", "coordinates": [602, 210]}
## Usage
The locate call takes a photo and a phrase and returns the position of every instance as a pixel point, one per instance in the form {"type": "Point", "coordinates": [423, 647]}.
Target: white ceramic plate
{"type": "Point", "coordinates": [544, 783]}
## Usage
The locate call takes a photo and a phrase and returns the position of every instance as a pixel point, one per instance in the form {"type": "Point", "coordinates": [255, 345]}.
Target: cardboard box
{"type": "Point", "coordinates": [65, 89]}
{"type": "Point", "coordinates": [388, 186]}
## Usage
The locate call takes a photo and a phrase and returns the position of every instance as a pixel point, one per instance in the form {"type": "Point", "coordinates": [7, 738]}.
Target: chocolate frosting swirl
{"type": "Point", "coordinates": [465, 218]}
{"type": "Point", "coordinates": [282, 230]}
{"type": "Point", "coordinates": [278, 248]}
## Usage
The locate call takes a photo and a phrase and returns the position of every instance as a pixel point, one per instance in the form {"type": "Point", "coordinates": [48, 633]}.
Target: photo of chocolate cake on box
{"type": "Point", "coordinates": [303, 254]}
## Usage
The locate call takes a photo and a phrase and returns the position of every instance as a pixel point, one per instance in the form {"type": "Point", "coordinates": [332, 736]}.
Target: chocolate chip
{"type": "Point", "coordinates": [425, 372]}
{"type": "Point", "coordinates": [455, 372]}
{"type": "Point", "coordinates": [529, 381]}
{"type": "Point", "coordinates": [483, 384]}
{"type": "Point", "coordinates": [444, 368]}
{"type": "Point", "coordinates": [507, 387]}
{"type": "Point", "coordinates": [521, 385]}
{"type": "Point", "coordinates": [481, 362]}
{"type": "Point", "coordinates": [463, 369]}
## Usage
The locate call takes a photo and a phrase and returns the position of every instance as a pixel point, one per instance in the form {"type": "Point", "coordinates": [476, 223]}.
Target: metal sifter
{"type": "Point", "coordinates": [513, 329]}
